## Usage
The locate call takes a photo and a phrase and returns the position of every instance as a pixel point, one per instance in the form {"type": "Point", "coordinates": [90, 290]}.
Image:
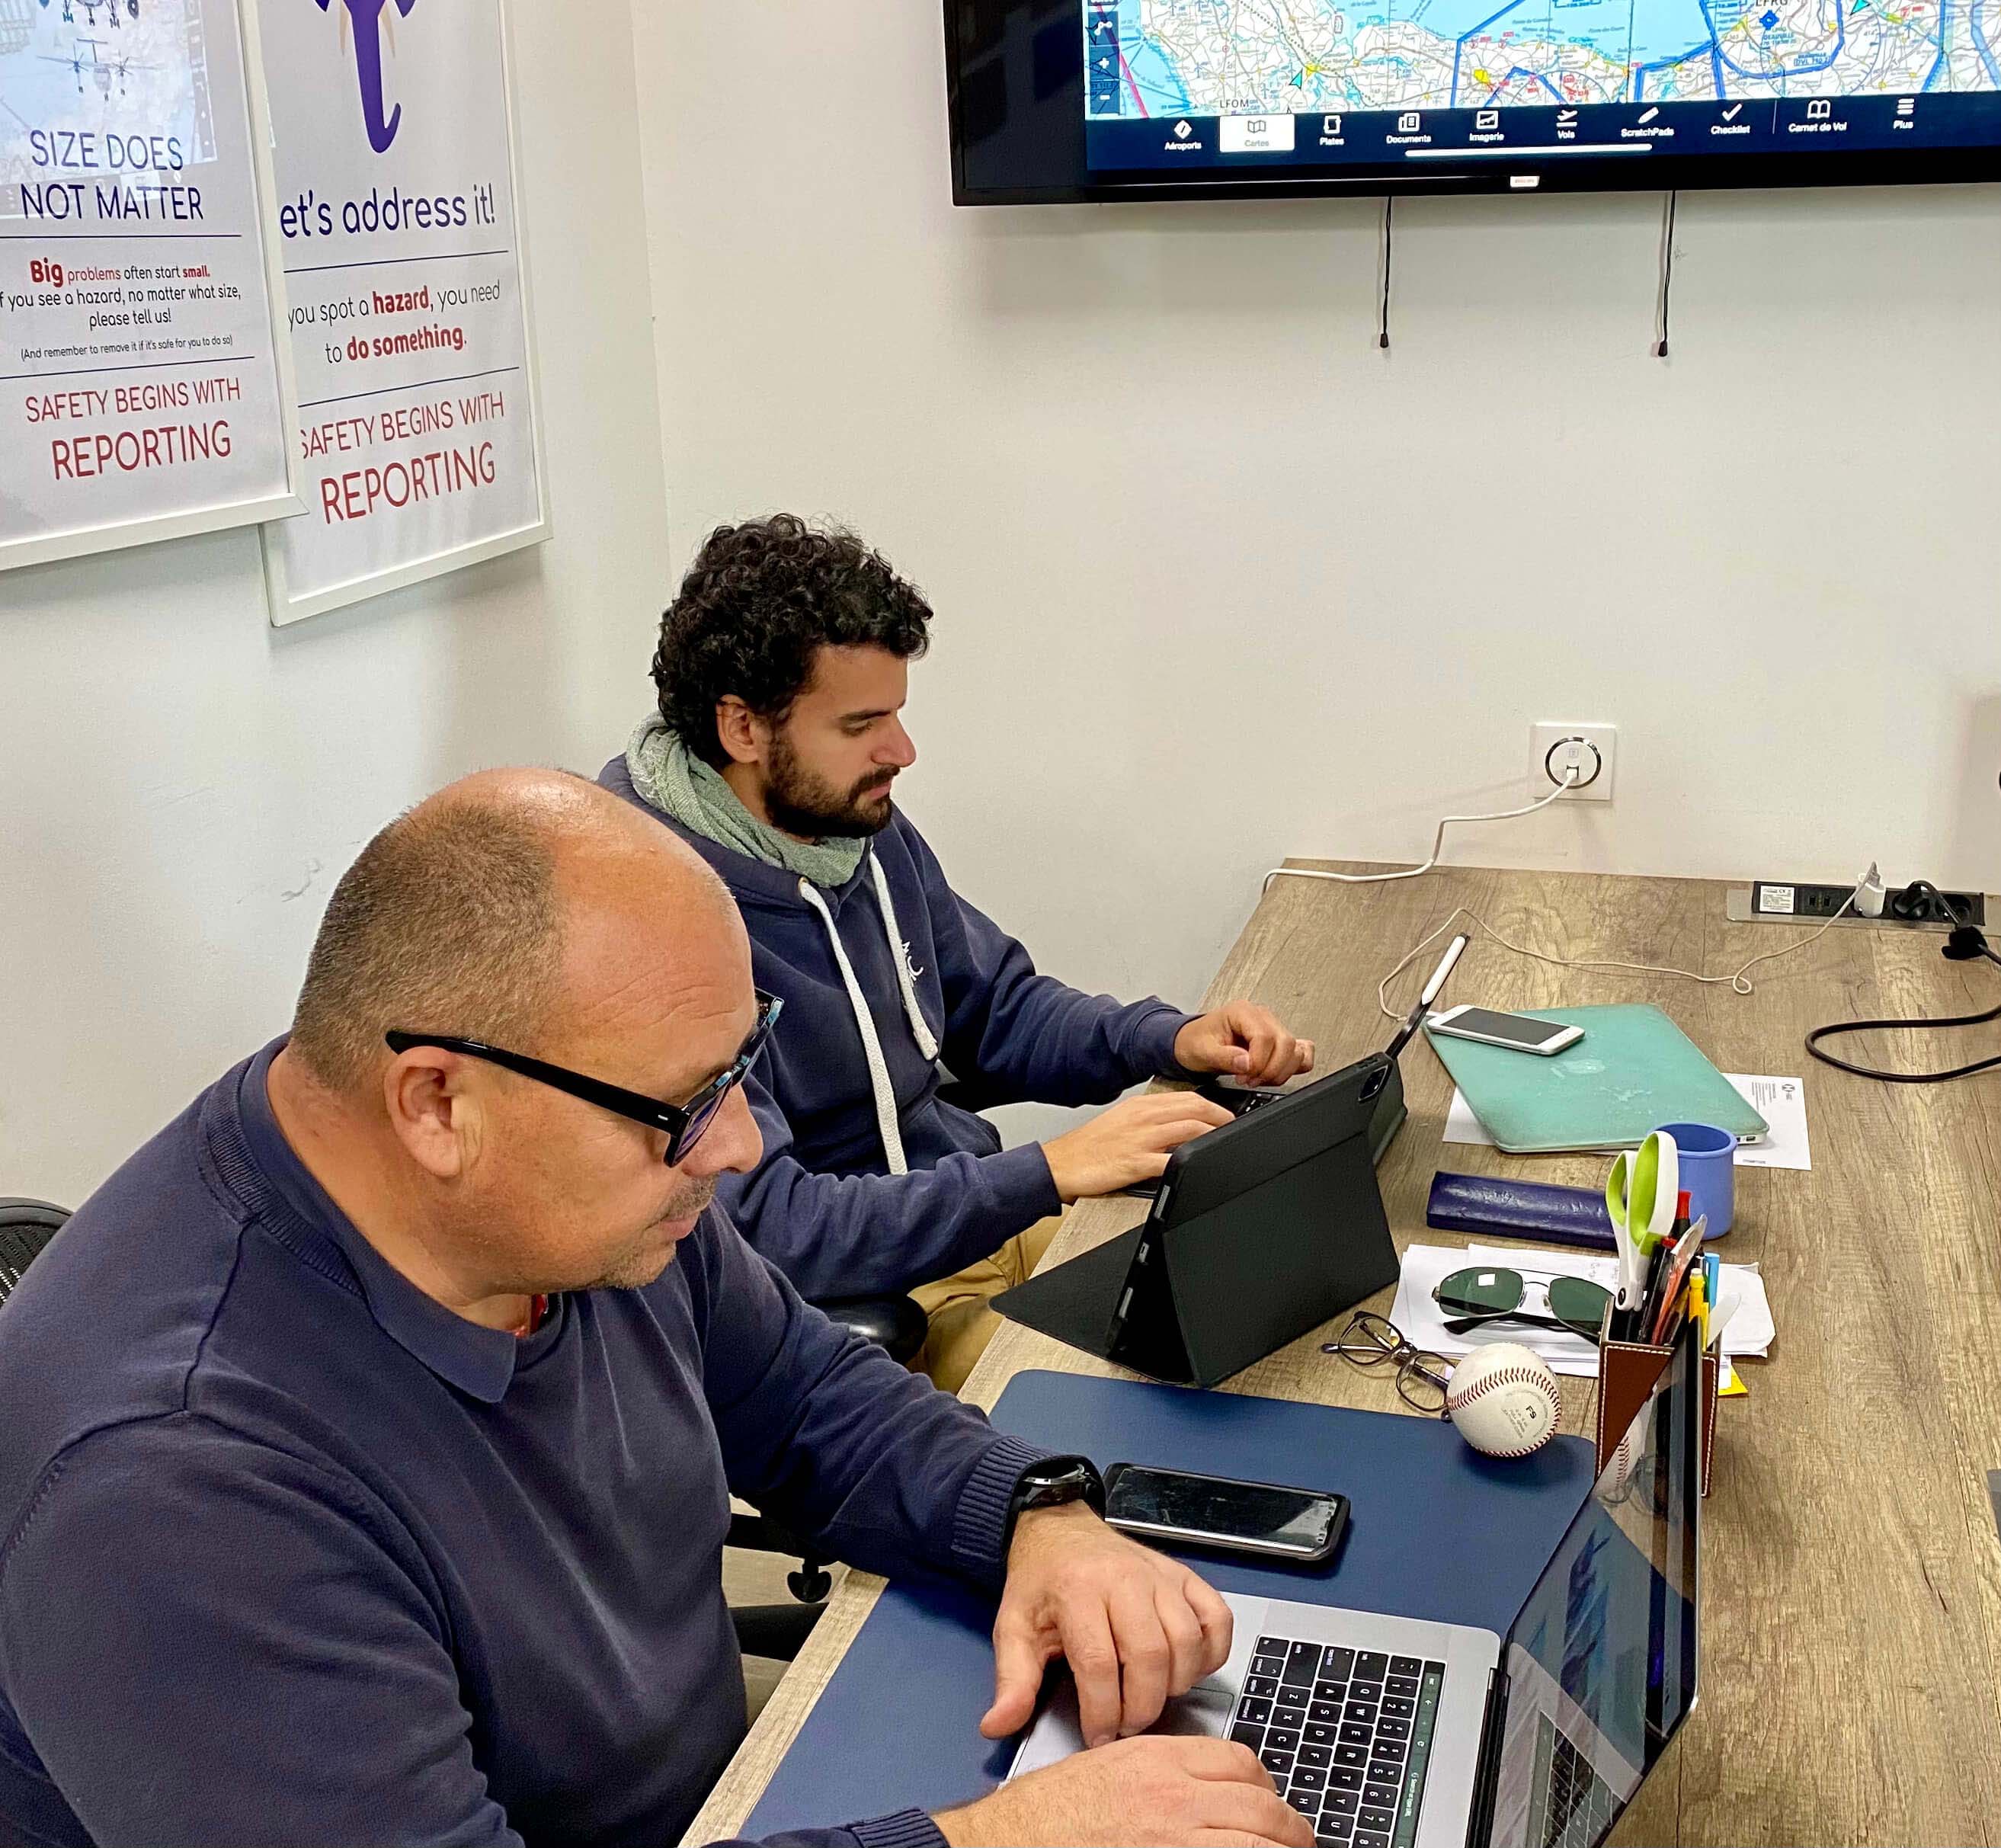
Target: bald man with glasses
{"type": "Point", "coordinates": [371, 1433]}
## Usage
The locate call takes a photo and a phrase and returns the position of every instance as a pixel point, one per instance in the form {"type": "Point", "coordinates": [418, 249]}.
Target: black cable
{"type": "Point", "coordinates": [1389, 245]}
{"type": "Point", "coordinates": [1921, 902]}
{"type": "Point", "coordinates": [1966, 944]}
{"type": "Point", "coordinates": [1667, 215]}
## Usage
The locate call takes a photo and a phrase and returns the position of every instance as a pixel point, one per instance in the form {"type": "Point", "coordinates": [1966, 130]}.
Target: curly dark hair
{"type": "Point", "coordinates": [756, 604]}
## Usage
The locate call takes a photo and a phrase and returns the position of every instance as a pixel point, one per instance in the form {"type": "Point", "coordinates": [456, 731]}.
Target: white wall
{"type": "Point", "coordinates": [1218, 582]}
{"type": "Point", "coordinates": [1194, 543]}
{"type": "Point", "coordinates": [179, 786]}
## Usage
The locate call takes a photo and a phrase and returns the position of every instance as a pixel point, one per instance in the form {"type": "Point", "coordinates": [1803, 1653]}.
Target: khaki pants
{"type": "Point", "coordinates": [962, 1323]}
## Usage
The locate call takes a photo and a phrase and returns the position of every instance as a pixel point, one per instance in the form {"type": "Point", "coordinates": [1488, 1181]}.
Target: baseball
{"type": "Point", "coordinates": [1505, 1400]}
{"type": "Point", "coordinates": [1618, 1471]}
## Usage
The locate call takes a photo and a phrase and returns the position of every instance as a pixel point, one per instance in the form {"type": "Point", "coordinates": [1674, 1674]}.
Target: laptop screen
{"type": "Point", "coordinates": [1601, 1663]}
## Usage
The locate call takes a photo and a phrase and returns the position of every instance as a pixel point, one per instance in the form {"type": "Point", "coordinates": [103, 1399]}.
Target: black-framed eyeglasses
{"type": "Point", "coordinates": [1485, 1293]}
{"type": "Point", "coordinates": [684, 1123]}
{"type": "Point", "coordinates": [1371, 1340]}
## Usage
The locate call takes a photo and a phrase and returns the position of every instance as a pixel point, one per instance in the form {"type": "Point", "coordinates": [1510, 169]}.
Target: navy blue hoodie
{"type": "Point", "coordinates": [289, 1553]}
{"type": "Point", "coordinates": [823, 1205]}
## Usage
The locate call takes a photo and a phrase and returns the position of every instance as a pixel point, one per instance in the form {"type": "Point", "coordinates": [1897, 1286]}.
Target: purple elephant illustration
{"type": "Point", "coordinates": [367, 15]}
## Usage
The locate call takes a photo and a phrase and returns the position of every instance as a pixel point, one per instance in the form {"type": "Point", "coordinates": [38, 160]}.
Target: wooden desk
{"type": "Point", "coordinates": [1851, 1673]}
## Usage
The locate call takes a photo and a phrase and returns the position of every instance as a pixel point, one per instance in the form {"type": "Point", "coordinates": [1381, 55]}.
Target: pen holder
{"type": "Point", "coordinates": [1627, 1372]}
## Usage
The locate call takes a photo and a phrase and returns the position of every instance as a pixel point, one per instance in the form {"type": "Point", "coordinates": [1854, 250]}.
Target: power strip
{"type": "Point", "coordinates": [1803, 901]}
{"type": "Point", "coordinates": [1808, 903]}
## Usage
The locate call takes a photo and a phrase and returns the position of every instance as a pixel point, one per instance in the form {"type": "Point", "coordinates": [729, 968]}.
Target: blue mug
{"type": "Point", "coordinates": [1708, 1173]}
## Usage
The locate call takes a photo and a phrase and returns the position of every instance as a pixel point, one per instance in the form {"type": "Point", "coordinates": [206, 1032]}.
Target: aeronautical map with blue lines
{"type": "Point", "coordinates": [1234, 58]}
{"type": "Point", "coordinates": [101, 68]}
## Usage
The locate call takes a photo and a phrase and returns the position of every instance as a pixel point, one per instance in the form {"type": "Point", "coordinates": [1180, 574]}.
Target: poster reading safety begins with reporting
{"type": "Point", "coordinates": [140, 391]}
{"type": "Point", "coordinates": [396, 204]}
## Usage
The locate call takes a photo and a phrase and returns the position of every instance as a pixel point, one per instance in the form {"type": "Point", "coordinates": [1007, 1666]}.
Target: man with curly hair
{"type": "Point", "coordinates": [781, 672]}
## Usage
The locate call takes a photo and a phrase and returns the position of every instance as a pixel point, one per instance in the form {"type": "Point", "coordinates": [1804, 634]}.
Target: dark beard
{"type": "Point", "coordinates": [807, 805]}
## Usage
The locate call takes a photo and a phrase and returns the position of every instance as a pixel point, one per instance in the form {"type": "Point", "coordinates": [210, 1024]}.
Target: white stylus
{"type": "Point", "coordinates": [1454, 951]}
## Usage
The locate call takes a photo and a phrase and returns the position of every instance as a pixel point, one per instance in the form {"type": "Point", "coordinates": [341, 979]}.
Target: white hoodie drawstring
{"type": "Point", "coordinates": [865, 1022]}
{"type": "Point", "coordinates": [900, 955]}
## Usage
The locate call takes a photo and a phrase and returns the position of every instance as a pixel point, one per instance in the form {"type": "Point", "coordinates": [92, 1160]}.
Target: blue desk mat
{"type": "Point", "coordinates": [1434, 1530]}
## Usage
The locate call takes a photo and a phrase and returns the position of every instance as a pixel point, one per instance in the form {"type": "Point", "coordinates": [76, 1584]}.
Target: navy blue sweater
{"type": "Point", "coordinates": [290, 1554]}
{"type": "Point", "coordinates": [823, 1205]}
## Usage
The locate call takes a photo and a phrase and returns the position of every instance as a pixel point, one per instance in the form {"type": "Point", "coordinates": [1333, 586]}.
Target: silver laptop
{"type": "Point", "coordinates": [1390, 1732]}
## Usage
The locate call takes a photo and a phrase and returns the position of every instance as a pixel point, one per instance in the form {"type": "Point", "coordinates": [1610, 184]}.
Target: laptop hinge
{"type": "Point", "coordinates": [1487, 1772]}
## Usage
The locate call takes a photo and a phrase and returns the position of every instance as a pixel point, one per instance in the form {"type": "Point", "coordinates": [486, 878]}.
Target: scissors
{"type": "Point", "coordinates": [1640, 1194]}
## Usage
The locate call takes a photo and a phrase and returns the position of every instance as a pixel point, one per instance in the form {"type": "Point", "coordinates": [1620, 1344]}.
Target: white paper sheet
{"type": "Point", "coordinates": [1749, 1329]}
{"type": "Point", "coordinates": [1462, 1125]}
{"type": "Point", "coordinates": [1783, 1104]}
{"type": "Point", "coordinates": [1781, 1101]}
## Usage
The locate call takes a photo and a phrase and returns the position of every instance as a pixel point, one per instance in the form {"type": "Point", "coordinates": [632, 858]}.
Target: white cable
{"type": "Point", "coordinates": [1438, 844]}
{"type": "Point", "coordinates": [1737, 982]}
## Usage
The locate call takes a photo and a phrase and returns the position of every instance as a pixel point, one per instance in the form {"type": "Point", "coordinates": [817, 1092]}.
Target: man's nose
{"type": "Point", "coordinates": [733, 1144]}
{"type": "Point", "coordinates": [897, 748]}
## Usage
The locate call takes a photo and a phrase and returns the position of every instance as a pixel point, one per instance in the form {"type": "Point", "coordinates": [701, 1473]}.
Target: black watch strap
{"type": "Point", "coordinates": [1053, 1482]}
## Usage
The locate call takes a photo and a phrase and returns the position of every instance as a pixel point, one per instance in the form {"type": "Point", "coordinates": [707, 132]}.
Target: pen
{"type": "Point", "coordinates": [1673, 1280]}
{"type": "Point", "coordinates": [1657, 1266]}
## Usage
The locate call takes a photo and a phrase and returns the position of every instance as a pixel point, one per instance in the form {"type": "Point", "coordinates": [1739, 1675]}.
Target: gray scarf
{"type": "Point", "coordinates": [670, 777]}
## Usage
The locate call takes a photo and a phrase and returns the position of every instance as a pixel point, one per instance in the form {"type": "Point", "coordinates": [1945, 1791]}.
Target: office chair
{"type": "Point", "coordinates": [776, 1631]}
{"type": "Point", "coordinates": [25, 1226]}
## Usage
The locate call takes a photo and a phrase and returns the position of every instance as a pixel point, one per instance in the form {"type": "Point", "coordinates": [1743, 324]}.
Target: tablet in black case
{"type": "Point", "coordinates": [1261, 1231]}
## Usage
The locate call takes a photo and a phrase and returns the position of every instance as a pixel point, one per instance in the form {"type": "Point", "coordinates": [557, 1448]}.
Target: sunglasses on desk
{"type": "Point", "coordinates": [682, 1123]}
{"type": "Point", "coordinates": [1483, 1293]}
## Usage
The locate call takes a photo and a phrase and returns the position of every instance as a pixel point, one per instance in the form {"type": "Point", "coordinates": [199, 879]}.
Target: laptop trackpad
{"type": "Point", "coordinates": [1202, 1712]}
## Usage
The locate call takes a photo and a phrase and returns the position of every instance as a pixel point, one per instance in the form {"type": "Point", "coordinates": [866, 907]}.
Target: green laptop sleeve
{"type": "Point", "coordinates": [1633, 1071]}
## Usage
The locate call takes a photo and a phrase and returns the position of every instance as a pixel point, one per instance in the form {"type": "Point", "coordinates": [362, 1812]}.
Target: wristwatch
{"type": "Point", "coordinates": [1052, 1483]}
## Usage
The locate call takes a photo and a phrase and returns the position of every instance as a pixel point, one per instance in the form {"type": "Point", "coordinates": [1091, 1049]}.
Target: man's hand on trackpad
{"type": "Point", "coordinates": [1136, 1627]}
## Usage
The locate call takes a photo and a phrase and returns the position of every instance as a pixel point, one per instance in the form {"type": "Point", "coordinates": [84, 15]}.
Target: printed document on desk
{"type": "Point", "coordinates": [1781, 1101]}
{"type": "Point", "coordinates": [1783, 1104]}
{"type": "Point", "coordinates": [1749, 1329]}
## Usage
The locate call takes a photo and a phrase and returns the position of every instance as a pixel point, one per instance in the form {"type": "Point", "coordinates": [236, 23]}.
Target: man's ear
{"type": "Point", "coordinates": [741, 733]}
{"type": "Point", "coordinates": [430, 1110]}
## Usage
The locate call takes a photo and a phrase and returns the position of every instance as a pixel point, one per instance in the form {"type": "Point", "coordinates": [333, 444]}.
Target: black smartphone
{"type": "Point", "coordinates": [1267, 1518]}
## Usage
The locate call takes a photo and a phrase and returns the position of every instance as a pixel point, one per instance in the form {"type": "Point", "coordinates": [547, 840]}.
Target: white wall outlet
{"type": "Point", "coordinates": [1591, 750]}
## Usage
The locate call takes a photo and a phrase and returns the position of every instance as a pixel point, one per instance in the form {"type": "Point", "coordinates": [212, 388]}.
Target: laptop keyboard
{"type": "Point", "coordinates": [1346, 1734]}
{"type": "Point", "coordinates": [1570, 1806]}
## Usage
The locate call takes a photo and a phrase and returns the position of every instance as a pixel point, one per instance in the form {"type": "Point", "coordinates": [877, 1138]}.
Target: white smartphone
{"type": "Point", "coordinates": [1517, 1031]}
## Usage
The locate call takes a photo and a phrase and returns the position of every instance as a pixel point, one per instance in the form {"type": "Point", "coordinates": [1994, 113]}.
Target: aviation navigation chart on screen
{"type": "Point", "coordinates": [1319, 83]}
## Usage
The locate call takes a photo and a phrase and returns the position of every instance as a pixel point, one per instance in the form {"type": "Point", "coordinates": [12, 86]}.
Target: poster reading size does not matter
{"type": "Point", "coordinates": [143, 379]}
{"type": "Point", "coordinates": [419, 427]}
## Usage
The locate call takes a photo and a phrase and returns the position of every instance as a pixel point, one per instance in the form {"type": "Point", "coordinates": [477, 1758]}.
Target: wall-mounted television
{"type": "Point", "coordinates": [1060, 100]}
